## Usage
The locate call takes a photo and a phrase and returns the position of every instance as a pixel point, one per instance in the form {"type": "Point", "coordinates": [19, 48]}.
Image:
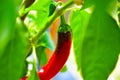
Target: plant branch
{"type": "Point", "coordinates": [51, 20]}
{"type": "Point", "coordinates": [47, 24]}
{"type": "Point", "coordinates": [26, 3]}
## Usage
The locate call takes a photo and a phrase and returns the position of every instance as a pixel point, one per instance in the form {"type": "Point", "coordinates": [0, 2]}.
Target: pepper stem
{"type": "Point", "coordinates": [62, 18]}
{"type": "Point", "coordinates": [64, 27]}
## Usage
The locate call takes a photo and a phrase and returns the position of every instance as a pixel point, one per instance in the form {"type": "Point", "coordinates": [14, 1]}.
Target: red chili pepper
{"type": "Point", "coordinates": [60, 54]}
{"type": "Point", "coordinates": [24, 78]}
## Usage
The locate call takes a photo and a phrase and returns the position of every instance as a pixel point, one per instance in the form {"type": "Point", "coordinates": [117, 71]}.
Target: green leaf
{"type": "Point", "coordinates": [46, 41]}
{"type": "Point", "coordinates": [101, 4]}
{"type": "Point", "coordinates": [119, 17]}
{"type": "Point", "coordinates": [100, 48]}
{"type": "Point", "coordinates": [24, 69]}
{"type": "Point", "coordinates": [42, 58]}
{"type": "Point", "coordinates": [40, 4]}
{"type": "Point", "coordinates": [12, 60]}
{"type": "Point", "coordinates": [88, 3]}
{"type": "Point", "coordinates": [33, 74]}
{"type": "Point", "coordinates": [64, 69]}
{"type": "Point", "coordinates": [52, 8]}
{"type": "Point", "coordinates": [7, 21]}
{"type": "Point", "coordinates": [43, 13]}
{"type": "Point", "coordinates": [41, 16]}
{"type": "Point", "coordinates": [112, 8]}
{"type": "Point", "coordinates": [18, 3]}
{"type": "Point", "coordinates": [79, 21]}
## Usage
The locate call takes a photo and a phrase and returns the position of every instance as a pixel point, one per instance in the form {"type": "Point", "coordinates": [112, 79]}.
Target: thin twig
{"type": "Point", "coordinates": [51, 20]}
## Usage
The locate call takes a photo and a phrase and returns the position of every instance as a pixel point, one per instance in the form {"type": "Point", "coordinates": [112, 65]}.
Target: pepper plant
{"type": "Point", "coordinates": [36, 38]}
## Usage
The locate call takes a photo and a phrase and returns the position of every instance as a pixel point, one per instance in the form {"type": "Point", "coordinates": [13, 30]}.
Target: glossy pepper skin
{"type": "Point", "coordinates": [60, 54]}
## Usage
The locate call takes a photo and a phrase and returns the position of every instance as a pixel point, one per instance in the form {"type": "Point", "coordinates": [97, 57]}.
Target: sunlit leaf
{"type": "Point", "coordinates": [33, 74]}
{"type": "Point", "coordinates": [7, 21]}
{"type": "Point", "coordinates": [42, 14]}
{"type": "Point", "coordinates": [42, 58]}
{"type": "Point", "coordinates": [100, 47]}
{"type": "Point", "coordinates": [101, 4]}
{"type": "Point", "coordinates": [64, 69]}
{"type": "Point", "coordinates": [46, 41]}
{"type": "Point", "coordinates": [11, 61]}
{"type": "Point", "coordinates": [42, 18]}
{"type": "Point", "coordinates": [88, 3]}
{"type": "Point", "coordinates": [24, 69]}
{"type": "Point", "coordinates": [79, 21]}
{"type": "Point", "coordinates": [40, 4]}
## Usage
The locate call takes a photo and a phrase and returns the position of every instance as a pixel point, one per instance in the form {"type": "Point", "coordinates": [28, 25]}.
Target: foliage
{"type": "Point", "coordinates": [96, 36]}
